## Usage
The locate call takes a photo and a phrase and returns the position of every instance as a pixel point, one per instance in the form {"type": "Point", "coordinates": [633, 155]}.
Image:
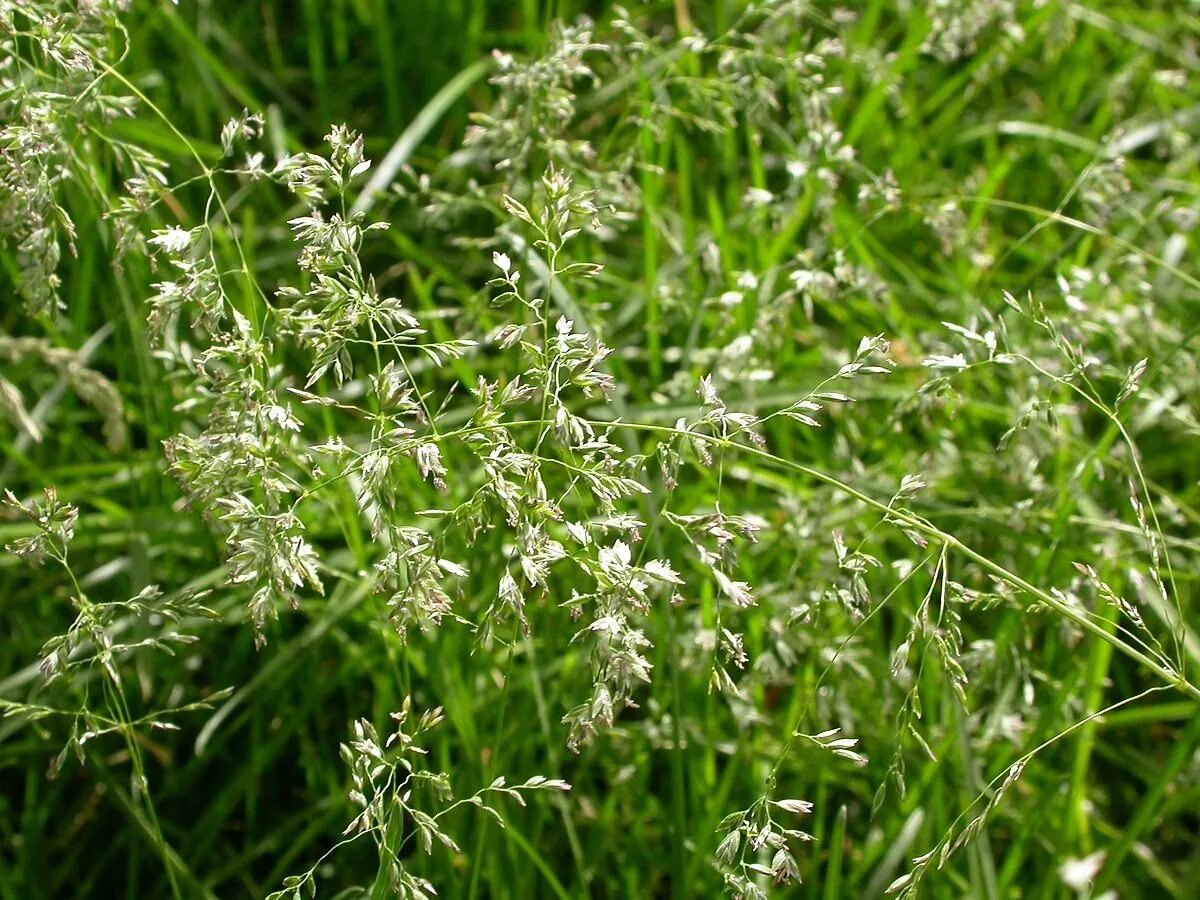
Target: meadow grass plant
{"type": "Point", "coordinates": [571, 450]}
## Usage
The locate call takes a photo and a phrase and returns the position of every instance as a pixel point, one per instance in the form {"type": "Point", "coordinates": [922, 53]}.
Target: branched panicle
{"type": "Point", "coordinates": [103, 636]}
{"type": "Point", "coordinates": [55, 101]}
{"type": "Point", "coordinates": [538, 103]}
{"type": "Point", "coordinates": [392, 786]}
{"type": "Point", "coordinates": [633, 404]}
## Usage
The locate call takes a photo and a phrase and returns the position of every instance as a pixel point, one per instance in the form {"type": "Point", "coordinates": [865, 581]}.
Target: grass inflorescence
{"type": "Point", "coordinates": [520, 450]}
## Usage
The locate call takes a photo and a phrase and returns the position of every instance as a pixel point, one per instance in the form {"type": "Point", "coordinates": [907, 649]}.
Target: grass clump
{"type": "Point", "coordinates": [684, 448]}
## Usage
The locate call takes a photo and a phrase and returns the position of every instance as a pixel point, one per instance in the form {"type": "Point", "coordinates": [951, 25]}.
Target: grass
{"type": "Point", "coordinates": [955, 613]}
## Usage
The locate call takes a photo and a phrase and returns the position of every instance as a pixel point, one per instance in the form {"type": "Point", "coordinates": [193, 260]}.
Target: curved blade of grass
{"type": "Point", "coordinates": [416, 131]}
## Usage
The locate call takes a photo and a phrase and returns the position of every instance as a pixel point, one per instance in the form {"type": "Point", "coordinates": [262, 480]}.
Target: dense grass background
{"type": "Point", "coordinates": [1017, 133]}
